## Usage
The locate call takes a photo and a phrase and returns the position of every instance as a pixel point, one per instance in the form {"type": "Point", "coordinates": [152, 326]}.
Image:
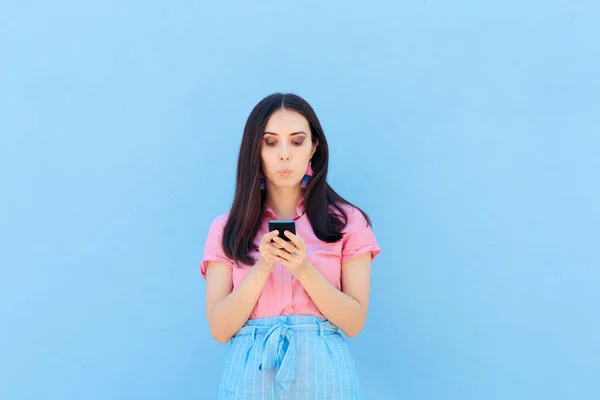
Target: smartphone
{"type": "Point", "coordinates": [282, 225]}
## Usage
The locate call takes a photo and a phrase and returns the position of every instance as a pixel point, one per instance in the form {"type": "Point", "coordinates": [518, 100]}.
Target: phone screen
{"type": "Point", "coordinates": [282, 225]}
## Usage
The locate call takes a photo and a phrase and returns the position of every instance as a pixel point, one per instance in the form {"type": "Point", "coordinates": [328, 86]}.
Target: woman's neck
{"type": "Point", "coordinates": [283, 201]}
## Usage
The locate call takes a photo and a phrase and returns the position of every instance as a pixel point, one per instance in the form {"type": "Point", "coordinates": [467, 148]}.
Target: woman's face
{"type": "Point", "coordinates": [286, 148]}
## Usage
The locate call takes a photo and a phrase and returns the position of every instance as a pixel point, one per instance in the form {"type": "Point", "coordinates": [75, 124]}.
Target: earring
{"type": "Point", "coordinates": [307, 175]}
{"type": "Point", "coordinates": [261, 180]}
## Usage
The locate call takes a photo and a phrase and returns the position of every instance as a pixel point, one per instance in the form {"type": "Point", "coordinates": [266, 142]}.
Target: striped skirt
{"type": "Point", "coordinates": [289, 357]}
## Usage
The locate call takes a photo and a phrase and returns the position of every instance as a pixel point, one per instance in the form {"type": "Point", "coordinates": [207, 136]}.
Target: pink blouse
{"type": "Point", "coordinates": [282, 293]}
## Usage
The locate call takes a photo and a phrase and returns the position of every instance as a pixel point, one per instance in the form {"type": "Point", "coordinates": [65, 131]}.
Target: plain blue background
{"type": "Point", "coordinates": [468, 130]}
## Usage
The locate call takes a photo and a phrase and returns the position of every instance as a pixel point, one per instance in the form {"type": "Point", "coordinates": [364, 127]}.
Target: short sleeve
{"type": "Point", "coordinates": [358, 237]}
{"type": "Point", "coordinates": [213, 249]}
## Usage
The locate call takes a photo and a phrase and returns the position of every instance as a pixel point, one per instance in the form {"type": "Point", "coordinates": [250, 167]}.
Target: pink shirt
{"type": "Point", "coordinates": [282, 293]}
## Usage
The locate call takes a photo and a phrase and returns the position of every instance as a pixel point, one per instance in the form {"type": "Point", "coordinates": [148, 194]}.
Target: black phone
{"type": "Point", "coordinates": [282, 225]}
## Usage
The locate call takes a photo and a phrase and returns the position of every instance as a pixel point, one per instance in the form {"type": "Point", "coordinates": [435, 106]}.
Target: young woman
{"type": "Point", "coordinates": [281, 304]}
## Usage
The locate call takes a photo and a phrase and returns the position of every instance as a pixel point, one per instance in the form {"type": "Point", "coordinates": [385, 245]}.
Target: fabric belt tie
{"type": "Point", "coordinates": [279, 347]}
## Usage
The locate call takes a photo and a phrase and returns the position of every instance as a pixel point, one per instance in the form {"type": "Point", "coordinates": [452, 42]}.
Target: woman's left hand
{"type": "Point", "coordinates": [292, 254]}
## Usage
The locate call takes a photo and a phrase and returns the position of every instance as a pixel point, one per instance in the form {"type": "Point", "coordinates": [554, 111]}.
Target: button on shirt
{"type": "Point", "coordinates": [282, 293]}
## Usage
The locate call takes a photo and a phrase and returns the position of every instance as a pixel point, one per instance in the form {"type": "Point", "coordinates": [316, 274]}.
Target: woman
{"type": "Point", "coordinates": [282, 304]}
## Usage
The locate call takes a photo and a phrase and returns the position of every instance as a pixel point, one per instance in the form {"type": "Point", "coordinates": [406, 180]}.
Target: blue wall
{"type": "Point", "coordinates": [468, 130]}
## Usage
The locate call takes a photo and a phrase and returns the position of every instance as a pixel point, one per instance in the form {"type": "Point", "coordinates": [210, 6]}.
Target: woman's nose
{"type": "Point", "coordinates": [285, 154]}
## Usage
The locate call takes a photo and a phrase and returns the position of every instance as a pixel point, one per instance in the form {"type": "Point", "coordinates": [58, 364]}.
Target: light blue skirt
{"type": "Point", "coordinates": [289, 357]}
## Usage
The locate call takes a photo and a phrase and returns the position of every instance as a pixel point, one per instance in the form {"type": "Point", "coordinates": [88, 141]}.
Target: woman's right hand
{"type": "Point", "coordinates": [267, 250]}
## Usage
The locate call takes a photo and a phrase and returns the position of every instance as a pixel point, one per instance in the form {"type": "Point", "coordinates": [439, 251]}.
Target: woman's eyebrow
{"type": "Point", "coordinates": [292, 134]}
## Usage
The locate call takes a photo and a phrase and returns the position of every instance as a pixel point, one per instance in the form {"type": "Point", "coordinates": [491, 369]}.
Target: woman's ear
{"type": "Point", "coordinates": [314, 147]}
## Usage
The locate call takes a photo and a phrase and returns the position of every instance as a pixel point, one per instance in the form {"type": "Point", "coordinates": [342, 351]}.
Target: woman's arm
{"type": "Point", "coordinates": [228, 310]}
{"type": "Point", "coordinates": [347, 309]}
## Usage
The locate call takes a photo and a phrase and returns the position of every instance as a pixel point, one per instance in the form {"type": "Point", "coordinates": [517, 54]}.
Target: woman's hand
{"type": "Point", "coordinates": [267, 251]}
{"type": "Point", "coordinates": [292, 255]}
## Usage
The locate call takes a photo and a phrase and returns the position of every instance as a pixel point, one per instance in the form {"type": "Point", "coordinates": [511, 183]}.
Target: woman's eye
{"type": "Point", "coordinates": [271, 143]}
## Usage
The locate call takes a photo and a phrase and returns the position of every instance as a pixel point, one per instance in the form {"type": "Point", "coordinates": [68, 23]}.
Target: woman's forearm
{"type": "Point", "coordinates": [340, 309]}
{"type": "Point", "coordinates": [232, 312]}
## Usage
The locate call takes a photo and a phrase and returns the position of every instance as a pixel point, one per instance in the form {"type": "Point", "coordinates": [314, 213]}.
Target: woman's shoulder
{"type": "Point", "coordinates": [353, 213]}
{"type": "Point", "coordinates": [219, 220]}
{"type": "Point", "coordinates": [348, 208]}
{"type": "Point", "coordinates": [222, 217]}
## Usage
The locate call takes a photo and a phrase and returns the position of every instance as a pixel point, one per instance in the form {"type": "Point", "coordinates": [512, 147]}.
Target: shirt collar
{"type": "Point", "coordinates": [300, 210]}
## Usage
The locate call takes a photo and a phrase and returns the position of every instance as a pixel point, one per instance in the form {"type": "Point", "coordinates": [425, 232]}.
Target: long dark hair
{"type": "Point", "coordinates": [321, 202]}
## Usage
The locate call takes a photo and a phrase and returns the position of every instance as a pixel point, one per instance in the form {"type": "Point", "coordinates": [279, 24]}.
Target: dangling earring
{"type": "Point", "coordinates": [307, 175]}
{"type": "Point", "coordinates": [261, 179]}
